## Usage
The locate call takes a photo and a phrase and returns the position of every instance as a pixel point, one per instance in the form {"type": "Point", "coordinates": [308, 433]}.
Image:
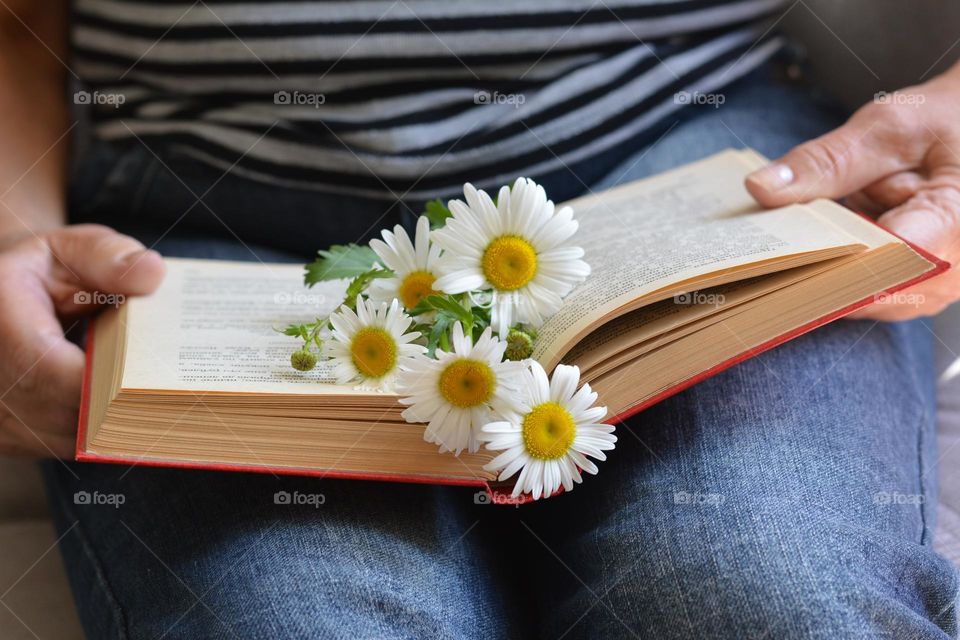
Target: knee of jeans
{"type": "Point", "coordinates": [770, 580]}
{"type": "Point", "coordinates": [348, 603]}
{"type": "Point", "coordinates": [326, 578]}
{"type": "Point", "coordinates": [767, 586]}
{"type": "Point", "coordinates": [802, 582]}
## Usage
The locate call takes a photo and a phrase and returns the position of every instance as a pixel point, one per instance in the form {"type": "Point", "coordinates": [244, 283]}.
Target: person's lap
{"type": "Point", "coordinates": [791, 496]}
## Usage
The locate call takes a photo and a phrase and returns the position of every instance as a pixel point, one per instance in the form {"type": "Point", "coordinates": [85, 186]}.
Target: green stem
{"type": "Point", "coordinates": [314, 332]}
{"type": "Point", "coordinates": [464, 301]}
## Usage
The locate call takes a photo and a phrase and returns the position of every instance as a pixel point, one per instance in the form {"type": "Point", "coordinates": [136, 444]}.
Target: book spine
{"type": "Point", "coordinates": [85, 390]}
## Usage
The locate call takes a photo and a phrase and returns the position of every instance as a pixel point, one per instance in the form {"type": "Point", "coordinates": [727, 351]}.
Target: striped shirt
{"type": "Point", "coordinates": [408, 98]}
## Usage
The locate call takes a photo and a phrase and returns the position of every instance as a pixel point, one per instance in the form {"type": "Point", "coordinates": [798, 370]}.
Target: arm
{"type": "Point", "coordinates": [44, 263]}
{"type": "Point", "coordinates": [899, 159]}
{"type": "Point", "coordinates": [33, 116]}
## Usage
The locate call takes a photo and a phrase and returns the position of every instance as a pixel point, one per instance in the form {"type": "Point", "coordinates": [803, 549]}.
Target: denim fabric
{"type": "Point", "coordinates": [792, 496]}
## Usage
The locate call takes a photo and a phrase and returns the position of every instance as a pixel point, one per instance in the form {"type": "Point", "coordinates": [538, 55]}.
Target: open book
{"type": "Point", "coordinates": [688, 277]}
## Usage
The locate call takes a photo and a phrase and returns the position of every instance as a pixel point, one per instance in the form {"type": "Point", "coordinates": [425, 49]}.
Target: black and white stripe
{"type": "Point", "coordinates": [400, 82]}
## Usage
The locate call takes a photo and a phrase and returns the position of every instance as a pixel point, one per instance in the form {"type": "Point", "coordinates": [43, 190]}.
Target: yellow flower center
{"type": "Point", "coordinates": [374, 352]}
{"type": "Point", "coordinates": [509, 263]}
{"type": "Point", "coordinates": [548, 431]}
{"type": "Point", "coordinates": [467, 383]}
{"type": "Point", "coordinates": [415, 287]}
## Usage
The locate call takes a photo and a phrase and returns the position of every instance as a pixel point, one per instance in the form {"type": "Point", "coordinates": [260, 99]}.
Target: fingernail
{"type": "Point", "coordinates": [129, 259]}
{"type": "Point", "coordinates": [773, 177]}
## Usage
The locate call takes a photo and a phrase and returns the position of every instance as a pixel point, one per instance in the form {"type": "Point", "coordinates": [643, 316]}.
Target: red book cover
{"type": "Point", "coordinates": [496, 494]}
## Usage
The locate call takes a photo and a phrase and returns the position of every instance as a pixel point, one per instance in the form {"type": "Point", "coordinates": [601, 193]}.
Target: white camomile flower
{"type": "Point", "coordinates": [551, 436]}
{"type": "Point", "coordinates": [414, 265]}
{"type": "Point", "coordinates": [371, 344]}
{"type": "Point", "coordinates": [518, 247]}
{"type": "Point", "coordinates": [455, 393]}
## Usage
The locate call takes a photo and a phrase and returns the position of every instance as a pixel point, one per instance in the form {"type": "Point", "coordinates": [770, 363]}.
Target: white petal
{"type": "Point", "coordinates": [512, 464]}
{"type": "Point", "coordinates": [594, 414]}
{"type": "Point", "coordinates": [422, 242]}
{"type": "Point", "coordinates": [583, 462]}
{"type": "Point", "coordinates": [540, 389]}
{"type": "Point", "coordinates": [564, 382]}
{"type": "Point", "coordinates": [460, 281]}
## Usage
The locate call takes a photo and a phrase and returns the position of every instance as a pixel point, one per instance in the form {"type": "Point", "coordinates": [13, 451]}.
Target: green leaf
{"type": "Point", "coordinates": [422, 307]}
{"type": "Point", "coordinates": [440, 328]}
{"type": "Point", "coordinates": [451, 308]}
{"type": "Point", "coordinates": [437, 213]}
{"type": "Point", "coordinates": [360, 283]}
{"type": "Point", "coordinates": [340, 261]}
{"type": "Point", "coordinates": [296, 330]}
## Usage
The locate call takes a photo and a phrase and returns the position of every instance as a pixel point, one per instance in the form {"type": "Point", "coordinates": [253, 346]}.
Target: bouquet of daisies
{"type": "Point", "coordinates": [448, 320]}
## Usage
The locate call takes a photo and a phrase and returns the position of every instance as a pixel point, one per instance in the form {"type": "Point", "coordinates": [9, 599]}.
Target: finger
{"type": "Point", "coordinates": [862, 203]}
{"type": "Point", "coordinates": [46, 418]}
{"type": "Point", "coordinates": [39, 362]}
{"type": "Point", "coordinates": [879, 140]}
{"type": "Point", "coordinates": [896, 189]}
{"type": "Point", "coordinates": [47, 370]}
{"type": "Point", "coordinates": [930, 219]}
{"type": "Point", "coordinates": [24, 443]}
{"type": "Point", "coordinates": [99, 258]}
{"type": "Point", "coordinates": [911, 303]}
{"type": "Point", "coordinates": [18, 437]}
{"type": "Point", "coordinates": [882, 313]}
{"type": "Point", "coordinates": [17, 450]}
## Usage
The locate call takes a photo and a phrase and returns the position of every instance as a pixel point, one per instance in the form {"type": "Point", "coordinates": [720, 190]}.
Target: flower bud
{"type": "Point", "coordinates": [303, 360]}
{"type": "Point", "coordinates": [519, 345]}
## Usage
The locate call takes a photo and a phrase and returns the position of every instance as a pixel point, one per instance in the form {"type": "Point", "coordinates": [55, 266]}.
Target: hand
{"type": "Point", "coordinates": [897, 158]}
{"type": "Point", "coordinates": [47, 282]}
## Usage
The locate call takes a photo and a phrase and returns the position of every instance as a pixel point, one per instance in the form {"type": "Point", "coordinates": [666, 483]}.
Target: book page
{"type": "Point", "coordinates": [210, 327]}
{"type": "Point", "coordinates": [681, 225]}
{"type": "Point", "coordinates": [633, 333]}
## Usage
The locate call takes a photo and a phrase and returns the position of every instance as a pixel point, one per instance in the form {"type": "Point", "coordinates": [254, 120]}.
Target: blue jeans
{"type": "Point", "coordinates": [792, 496]}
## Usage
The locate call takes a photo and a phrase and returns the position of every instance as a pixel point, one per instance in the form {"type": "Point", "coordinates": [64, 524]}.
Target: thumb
{"type": "Point", "coordinates": [930, 220]}
{"type": "Point", "coordinates": [874, 143]}
{"type": "Point", "coordinates": [95, 256]}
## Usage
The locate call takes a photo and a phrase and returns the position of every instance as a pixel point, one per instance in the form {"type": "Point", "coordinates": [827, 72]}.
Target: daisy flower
{"type": "Point", "coordinates": [552, 436]}
{"type": "Point", "coordinates": [455, 393]}
{"type": "Point", "coordinates": [414, 265]}
{"type": "Point", "coordinates": [518, 247]}
{"type": "Point", "coordinates": [371, 344]}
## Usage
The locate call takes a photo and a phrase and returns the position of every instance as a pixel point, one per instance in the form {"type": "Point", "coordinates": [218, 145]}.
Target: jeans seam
{"type": "Point", "coordinates": [119, 618]}
{"type": "Point", "coordinates": [925, 533]}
